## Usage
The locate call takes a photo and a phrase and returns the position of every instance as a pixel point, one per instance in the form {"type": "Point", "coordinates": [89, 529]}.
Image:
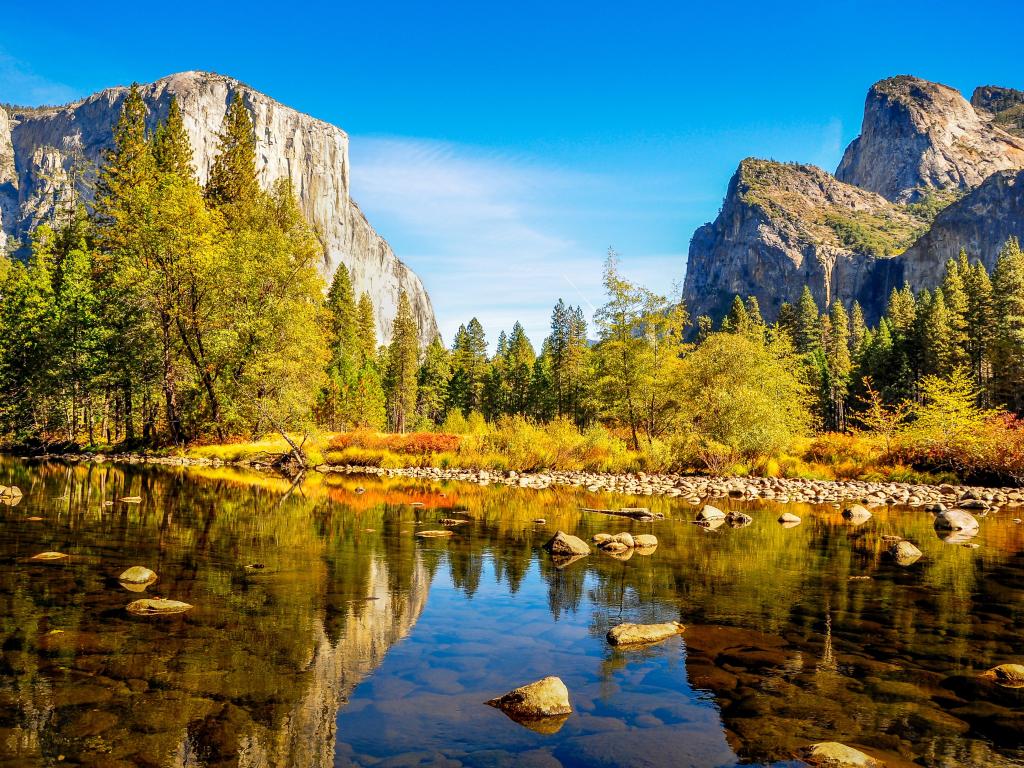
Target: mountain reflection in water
{"type": "Point", "coordinates": [357, 642]}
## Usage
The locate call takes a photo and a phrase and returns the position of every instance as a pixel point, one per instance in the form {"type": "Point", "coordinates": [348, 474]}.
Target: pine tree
{"type": "Point", "coordinates": [808, 324]}
{"type": "Point", "coordinates": [341, 305]}
{"type": "Point", "coordinates": [1008, 327]}
{"type": "Point", "coordinates": [858, 329]}
{"type": "Point", "coordinates": [403, 367]}
{"type": "Point", "coordinates": [737, 320]}
{"type": "Point", "coordinates": [366, 335]}
{"type": "Point", "coordinates": [519, 359]}
{"type": "Point", "coordinates": [469, 368]}
{"type": "Point", "coordinates": [757, 329]}
{"type": "Point", "coordinates": [978, 288]}
{"type": "Point", "coordinates": [232, 180]}
{"type": "Point", "coordinates": [837, 355]}
{"type": "Point", "coordinates": [954, 293]}
{"type": "Point", "coordinates": [172, 149]}
{"type": "Point", "coordinates": [434, 376]}
{"type": "Point", "coordinates": [936, 339]}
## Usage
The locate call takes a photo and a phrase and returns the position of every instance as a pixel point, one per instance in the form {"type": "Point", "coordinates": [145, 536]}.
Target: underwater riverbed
{"type": "Point", "coordinates": [355, 642]}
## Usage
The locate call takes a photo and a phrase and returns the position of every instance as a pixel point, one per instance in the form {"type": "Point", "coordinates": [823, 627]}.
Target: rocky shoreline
{"type": "Point", "coordinates": [692, 489]}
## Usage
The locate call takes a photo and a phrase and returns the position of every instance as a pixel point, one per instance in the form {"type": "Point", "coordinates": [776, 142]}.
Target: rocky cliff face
{"type": "Point", "coordinates": [43, 145]}
{"type": "Point", "coordinates": [869, 228]}
{"type": "Point", "coordinates": [981, 223]}
{"type": "Point", "coordinates": [786, 226]}
{"type": "Point", "coordinates": [917, 136]}
{"type": "Point", "coordinates": [1004, 105]}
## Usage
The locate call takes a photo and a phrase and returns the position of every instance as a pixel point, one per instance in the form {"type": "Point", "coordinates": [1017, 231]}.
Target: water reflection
{"type": "Point", "coordinates": [358, 643]}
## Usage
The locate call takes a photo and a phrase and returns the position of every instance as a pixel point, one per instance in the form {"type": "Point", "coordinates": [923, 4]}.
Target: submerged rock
{"type": "Point", "coordinates": [905, 553]}
{"type": "Point", "coordinates": [452, 521]}
{"type": "Point", "coordinates": [131, 499]}
{"type": "Point", "coordinates": [738, 519]}
{"type": "Point", "coordinates": [433, 534]}
{"type": "Point", "coordinates": [642, 634]}
{"type": "Point", "coordinates": [613, 546]}
{"type": "Point", "coordinates": [561, 562]}
{"type": "Point", "coordinates": [563, 543]}
{"type": "Point", "coordinates": [1006, 675]}
{"type": "Point", "coordinates": [48, 557]}
{"type": "Point", "coordinates": [545, 698]}
{"type": "Point", "coordinates": [601, 538]}
{"type": "Point", "coordinates": [157, 607]}
{"type": "Point", "coordinates": [832, 754]}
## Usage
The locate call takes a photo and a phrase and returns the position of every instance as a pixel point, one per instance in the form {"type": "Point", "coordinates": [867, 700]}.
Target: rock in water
{"type": "Point", "coordinates": [788, 518]}
{"type": "Point", "coordinates": [313, 155]}
{"type": "Point", "coordinates": [48, 557]}
{"type": "Point", "coordinates": [905, 553]}
{"type": "Point", "coordinates": [709, 513]}
{"type": "Point", "coordinates": [738, 519]}
{"type": "Point", "coordinates": [956, 520]}
{"type": "Point", "coordinates": [566, 544]}
{"type": "Point", "coordinates": [434, 534]}
{"type": "Point", "coordinates": [857, 514]}
{"type": "Point", "coordinates": [1006, 675]}
{"type": "Point", "coordinates": [545, 698]}
{"type": "Point", "coordinates": [131, 499]}
{"type": "Point", "coordinates": [642, 634]}
{"type": "Point", "coordinates": [645, 541]}
{"type": "Point", "coordinates": [157, 607]}
{"type": "Point", "coordinates": [137, 576]}
{"type": "Point", "coordinates": [832, 754]}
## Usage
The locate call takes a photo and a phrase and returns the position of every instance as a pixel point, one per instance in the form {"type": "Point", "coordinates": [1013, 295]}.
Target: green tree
{"type": "Point", "coordinates": [807, 336]}
{"type": "Point", "coordinates": [1008, 327]}
{"type": "Point", "coordinates": [232, 180]}
{"type": "Point", "coordinates": [401, 383]}
{"type": "Point", "coordinates": [434, 375]}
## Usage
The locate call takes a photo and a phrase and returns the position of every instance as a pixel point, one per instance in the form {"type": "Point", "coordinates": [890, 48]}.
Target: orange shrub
{"type": "Point", "coordinates": [414, 443]}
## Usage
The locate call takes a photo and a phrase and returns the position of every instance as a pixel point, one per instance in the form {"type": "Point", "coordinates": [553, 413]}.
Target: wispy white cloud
{"type": "Point", "coordinates": [20, 85]}
{"type": "Point", "coordinates": [496, 236]}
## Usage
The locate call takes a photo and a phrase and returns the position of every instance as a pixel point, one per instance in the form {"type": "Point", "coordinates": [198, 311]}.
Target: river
{"type": "Point", "coordinates": [325, 632]}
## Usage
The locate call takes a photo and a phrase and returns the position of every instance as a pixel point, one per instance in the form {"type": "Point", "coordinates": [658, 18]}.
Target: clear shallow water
{"type": "Point", "coordinates": [358, 643]}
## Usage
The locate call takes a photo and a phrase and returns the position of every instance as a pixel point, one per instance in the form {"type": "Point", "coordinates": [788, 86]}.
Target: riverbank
{"type": "Point", "coordinates": [693, 489]}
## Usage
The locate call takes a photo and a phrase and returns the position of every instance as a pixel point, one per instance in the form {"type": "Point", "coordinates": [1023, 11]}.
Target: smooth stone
{"type": "Point", "coordinates": [563, 543]}
{"type": "Point", "coordinates": [645, 540]}
{"type": "Point", "coordinates": [1006, 675]}
{"type": "Point", "coordinates": [613, 546]}
{"type": "Point", "coordinates": [47, 557]}
{"type": "Point", "coordinates": [709, 513]}
{"type": "Point", "coordinates": [738, 519]}
{"type": "Point", "coordinates": [545, 698]}
{"type": "Point", "coordinates": [789, 518]}
{"type": "Point", "coordinates": [433, 534]}
{"type": "Point", "coordinates": [625, 538]}
{"type": "Point", "coordinates": [137, 574]}
{"type": "Point", "coordinates": [601, 538]}
{"type": "Point", "coordinates": [452, 521]}
{"type": "Point", "coordinates": [856, 514]}
{"type": "Point", "coordinates": [157, 607]}
{"type": "Point", "coordinates": [832, 754]}
{"type": "Point", "coordinates": [956, 520]}
{"type": "Point", "coordinates": [131, 499]}
{"type": "Point", "coordinates": [905, 553]}
{"type": "Point", "coordinates": [641, 634]}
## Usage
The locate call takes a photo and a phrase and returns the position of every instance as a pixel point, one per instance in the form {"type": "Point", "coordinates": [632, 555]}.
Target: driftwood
{"type": "Point", "coordinates": [635, 513]}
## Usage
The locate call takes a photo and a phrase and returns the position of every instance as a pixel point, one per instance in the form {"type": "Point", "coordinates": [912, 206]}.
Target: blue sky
{"type": "Point", "coordinates": [502, 148]}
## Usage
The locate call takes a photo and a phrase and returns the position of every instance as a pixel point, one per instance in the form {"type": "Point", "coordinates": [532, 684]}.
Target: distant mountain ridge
{"type": "Point", "coordinates": [38, 147]}
{"type": "Point", "coordinates": [930, 173]}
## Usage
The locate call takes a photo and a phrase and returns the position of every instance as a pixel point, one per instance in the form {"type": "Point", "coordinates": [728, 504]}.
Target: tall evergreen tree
{"type": "Point", "coordinates": [1008, 327]}
{"type": "Point", "coordinates": [403, 367]}
{"type": "Point", "coordinates": [232, 178]}
{"type": "Point", "coordinates": [808, 324]}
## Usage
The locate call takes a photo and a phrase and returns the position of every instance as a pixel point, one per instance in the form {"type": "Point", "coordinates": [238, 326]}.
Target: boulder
{"type": "Point", "coordinates": [1006, 675]}
{"type": "Point", "coordinates": [788, 518]}
{"type": "Point", "coordinates": [645, 540]}
{"type": "Point", "coordinates": [433, 534]}
{"type": "Point", "coordinates": [157, 607]}
{"type": "Point", "coordinates": [956, 520]}
{"type": "Point", "coordinates": [137, 574]}
{"type": "Point", "coordinates": [545, 698]}
{"type": "Point", "coordinates": [626, 538]}
{"type": "Point", "coordinates": [905, 553]}
{"type": "Point", "coordinates": [614, 545]}
{"type": "Point", "coordinates": [856, 514]}
{"type": "Point", "coordinates": [642, 634]}
{"type": "Point", "coordinates": [832, 754]}
{"type": "Point", "coordinates": [709, 513]}
{"type": "Point", "coordinates": [601, 538]}
{"type": "Point", "coordinates": [131, 499]}
{"type": "Point", "coordinates": [563, 543]}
